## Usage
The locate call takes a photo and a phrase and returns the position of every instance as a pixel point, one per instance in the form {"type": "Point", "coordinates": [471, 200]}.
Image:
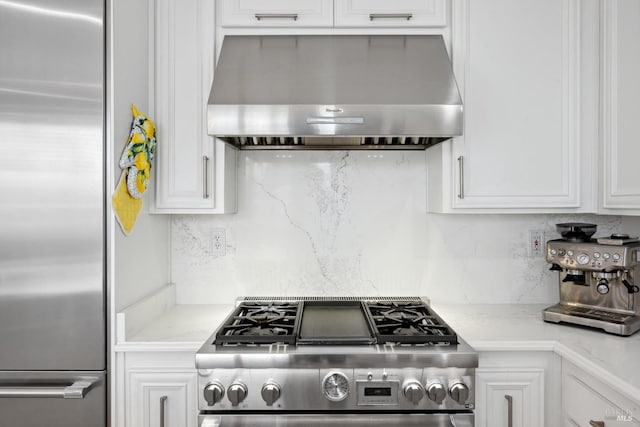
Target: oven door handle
{"type": "Point", "coordinates": [329, 418]}
{"type": "Point", "coordinates": [460, 422]}
{"type": "Point", "coordinates": [77, 390]}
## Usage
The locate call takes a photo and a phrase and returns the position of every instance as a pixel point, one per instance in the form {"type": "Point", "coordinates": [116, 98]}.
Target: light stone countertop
{"type": "Point", "coordinates": [501, 327]}
{"type": "Point", "coordinates": [183, 327]}
{"type": "Point", "coordinates": [519, 327]}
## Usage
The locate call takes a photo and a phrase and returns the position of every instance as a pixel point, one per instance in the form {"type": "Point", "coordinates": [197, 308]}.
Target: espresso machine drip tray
{"type": "Point", "coordinates": [611, 322]}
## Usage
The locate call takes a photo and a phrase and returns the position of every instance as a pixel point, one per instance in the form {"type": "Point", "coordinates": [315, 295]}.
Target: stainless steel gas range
{"type": "Point", "coordinates": [335, 361]}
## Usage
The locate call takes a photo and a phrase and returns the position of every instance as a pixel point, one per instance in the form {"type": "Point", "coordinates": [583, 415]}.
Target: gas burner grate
{"type": "Point", "coordinates": [260, 323]}
{"type": "Point", "coordinates": [330, 298]}
{"type": "Point", "coordinates": [408, 323]}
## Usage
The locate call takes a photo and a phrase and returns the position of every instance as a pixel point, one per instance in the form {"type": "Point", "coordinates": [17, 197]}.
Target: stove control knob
{"type": "Point", "coordinates": [213, 393]}
{"type": "Point", "coordinates": [413, 391]}
{"type": "Point", "coordinates": [270, 392]}
{"type": "Point", "coordinates": [237, 392]}
{"type": "Point", "coordinates": [436, 392]}
{"type": "Point", "coordinates": [459, 392]}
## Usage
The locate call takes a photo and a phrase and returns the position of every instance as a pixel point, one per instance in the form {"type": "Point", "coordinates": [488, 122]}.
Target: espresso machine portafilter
{"type": "Point", "coordinates": [596, 279]}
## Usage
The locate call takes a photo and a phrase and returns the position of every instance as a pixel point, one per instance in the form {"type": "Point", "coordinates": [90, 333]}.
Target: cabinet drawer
{"type": "Point", "coordinates": [584, 405]}
{"type": "Point", "coordinates": [384, 13]}
{"type": "Point", "coordinates": [277, 13]}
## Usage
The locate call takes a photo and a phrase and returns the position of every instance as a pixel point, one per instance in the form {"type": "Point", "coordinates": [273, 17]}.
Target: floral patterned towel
{"type": "Point", "coordinates": [138, 153]}
{"type": "Point", "coordinates": [136, 164]}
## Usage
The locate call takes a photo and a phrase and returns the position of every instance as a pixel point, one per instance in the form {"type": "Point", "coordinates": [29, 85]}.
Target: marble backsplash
{"type": "Point", "coordinates": [355, 223]}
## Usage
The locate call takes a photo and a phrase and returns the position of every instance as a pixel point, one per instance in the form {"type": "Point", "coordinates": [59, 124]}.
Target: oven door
{"type": "Point", "coordinates": [337, 419]}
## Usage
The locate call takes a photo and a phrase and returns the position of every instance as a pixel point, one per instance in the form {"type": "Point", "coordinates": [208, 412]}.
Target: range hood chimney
{"type": "Point", "coordinates": [334, 92]}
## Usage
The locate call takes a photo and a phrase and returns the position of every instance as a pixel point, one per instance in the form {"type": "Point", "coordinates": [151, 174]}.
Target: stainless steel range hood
{"type": "Point", "coordinates": [334, 92]}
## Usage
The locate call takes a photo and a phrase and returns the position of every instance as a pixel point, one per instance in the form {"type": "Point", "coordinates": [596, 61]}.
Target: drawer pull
{"type": "Point", "coordinates": [460, 177]}
{"type": "Point", "coordinates": [205, 177]}
{"type": "Point", "coordinates": [509, 410]}
{"type": "Point", "coordinates": [596, 423]}
{"type": "Point", "coordinates": [261, 16]}
{"type": "Point", "coordinates": [406, 16]}
{"type": "Point", "coordinates": [163, 412]}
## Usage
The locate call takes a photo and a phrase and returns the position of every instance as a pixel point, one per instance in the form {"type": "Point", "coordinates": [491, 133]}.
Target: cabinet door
{"type": "Point", "coordinates": [194, 174]}
{"type": "Point", "coordinates": [621, 109]}
{"type": "Point", "coordinates": [527, 72]}
{"type": "Point", "coordinates": [584, 406]}
{"type": "Point", "coordinates": [397, 14]}
{"type": "Point", "coordinates": [509, 398]}
{"type": "Point", "coordinates": [162, 399]}
{"type": "Point", "coordinates": [277, 13]}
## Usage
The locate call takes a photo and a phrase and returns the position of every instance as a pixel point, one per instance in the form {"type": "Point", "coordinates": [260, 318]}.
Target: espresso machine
{"type": "Point", "coordinates": [597, 279]}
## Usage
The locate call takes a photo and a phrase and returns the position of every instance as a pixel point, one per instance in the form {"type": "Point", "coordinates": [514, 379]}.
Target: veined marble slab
{"type": "Point", "coordinates": [355, 223]}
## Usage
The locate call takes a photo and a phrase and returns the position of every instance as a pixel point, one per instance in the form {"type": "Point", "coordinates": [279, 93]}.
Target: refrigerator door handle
{"type": "Point", "coordinates": [77, 390]}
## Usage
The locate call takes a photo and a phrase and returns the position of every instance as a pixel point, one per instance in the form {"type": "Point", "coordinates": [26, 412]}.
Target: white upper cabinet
{"type": "Point", "coordinates": [527, 71]}
{"type": "Point", "coordinates": [195, 173]}
{"type": "Point", "coordinates": [333, 13]}
{"type": "Point", "coordinates": [276, 13]}
{"type": "Point", "coordinates": [385, 13]}
{"type": "Point", "coordinates": [620, 186]}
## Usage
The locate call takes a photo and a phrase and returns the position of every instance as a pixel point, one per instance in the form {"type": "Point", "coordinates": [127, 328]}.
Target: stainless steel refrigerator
{"type": "Point", "coordinates": [52, 214]}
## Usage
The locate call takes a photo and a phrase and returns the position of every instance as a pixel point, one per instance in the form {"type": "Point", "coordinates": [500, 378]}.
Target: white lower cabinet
{"type": "Point", "coordinates": [588, 402]}
{"type": "Point", "coordinates": [161, 390]}
{"type": "Point", "coordinates": [510, 397]}
{"type": "Point", "coordinates": [162, 399]}
{"type": "Point", "coordinates": [517, 389]}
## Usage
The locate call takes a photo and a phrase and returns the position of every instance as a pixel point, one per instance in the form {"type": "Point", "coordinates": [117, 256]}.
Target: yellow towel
{"type": "Point", "coordinates": [136, 163]}
{"type": "Point", "coordinates": [138, 153]}
{"type": "Point", "coordinates": [126, 207]}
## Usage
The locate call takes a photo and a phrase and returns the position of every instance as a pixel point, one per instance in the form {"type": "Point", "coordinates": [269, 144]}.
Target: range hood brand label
{"type": "Point", "coordinates": [335, 120]}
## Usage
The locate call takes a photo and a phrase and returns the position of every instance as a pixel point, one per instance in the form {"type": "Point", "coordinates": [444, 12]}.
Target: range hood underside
{"type": "Point", "coordinates": [332, 143]}
{"type": "Point", "coordinates": [335, 127]}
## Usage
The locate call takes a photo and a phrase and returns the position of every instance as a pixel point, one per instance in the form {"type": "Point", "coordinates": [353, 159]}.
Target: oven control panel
{"type": "Point", "coordinates": [336, 389]}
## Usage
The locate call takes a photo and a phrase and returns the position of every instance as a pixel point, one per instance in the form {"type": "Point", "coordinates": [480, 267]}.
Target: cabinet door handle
{"type": "Point", "coordinates": [205, 177]}
{"type": "Point", "coordinates": [509, 410]}
{"type": "Point", "coordinates": [460, 177]}
{"type": "Point", "coordinates": [163, 412]}
{"type": "Point", "coordinates": [261, 16]}
{"type": "Point", "coordinates": [596, 423]}
{"type": "Point", "coordinates": [406, 16]}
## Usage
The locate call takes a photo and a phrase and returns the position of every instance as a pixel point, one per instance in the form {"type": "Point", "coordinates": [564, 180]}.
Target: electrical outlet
{"type": "Point", "coordinates": [218, 242]}
{"type": "Point", "coordinates": [536, 243]}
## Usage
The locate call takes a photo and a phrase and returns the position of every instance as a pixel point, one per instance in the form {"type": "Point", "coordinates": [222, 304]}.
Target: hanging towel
{"type": "Point", "coordinates": [136, 164]}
